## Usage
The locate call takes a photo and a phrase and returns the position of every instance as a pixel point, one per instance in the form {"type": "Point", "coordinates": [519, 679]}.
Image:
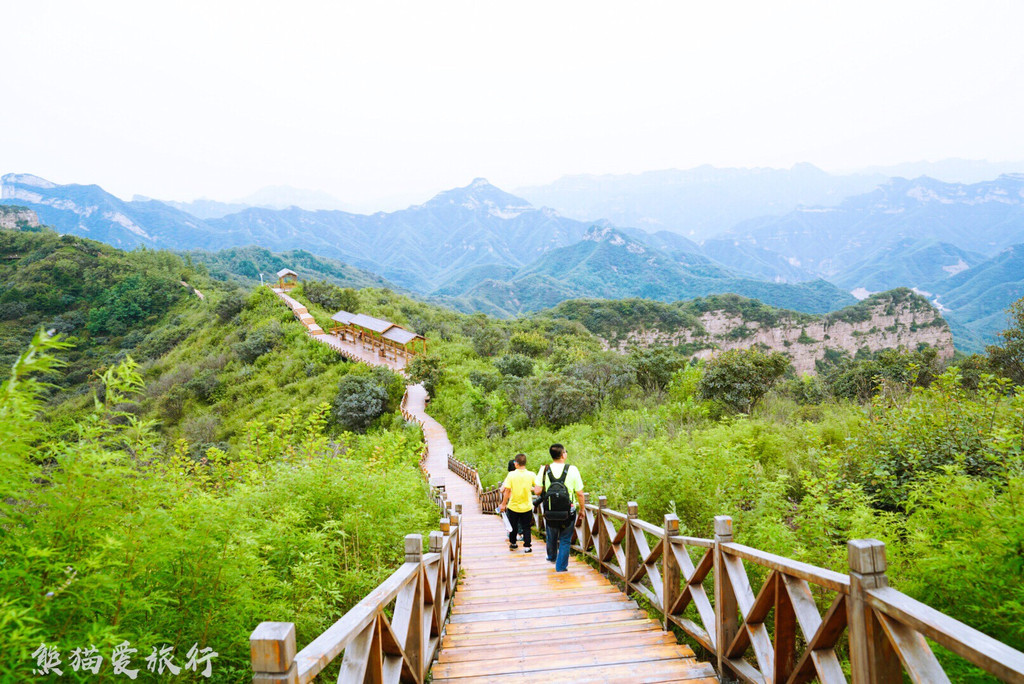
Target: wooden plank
{"type": "Point", "coordinates": [540, 601]}
{"type": "Point", "coordinates": [583, 620]}
{"type": "Point", "coordinates": [694, 630]}
{"type": "Point", "coordinates": [802, 601]}
{"type": "Point", "coordinates": [742, 590]}
{"type": "Point", "coordinates": [785, 632]}
{"type": "Point", "coordinates": [541, 648]}
{"type": "Point", "coordinates": [914, 652]}
{"type": "Point", "coordinates": [498, 636]}
{"type": "Point", "coordinates": [987, 653]}
{"type": "Point", "coordinates": [539, 666]}
{"type": "Point", "coordinates": [815, 575]}
{"type": "Point", "coordinates": [819, 656]}
{"type": "Point", "coordinates": [553, 611]}
{"type": "Point", "coordinates": [624, 673]}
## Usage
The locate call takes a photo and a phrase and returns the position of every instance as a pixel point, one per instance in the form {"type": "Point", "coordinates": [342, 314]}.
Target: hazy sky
{"type": "Point", "coordinates": [375, 99]}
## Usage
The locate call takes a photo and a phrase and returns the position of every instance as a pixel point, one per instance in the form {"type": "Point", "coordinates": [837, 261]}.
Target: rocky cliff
{"type": "Point", "coordinates": [16, 218]}
{"type": "Point", "coordinates": [887, 320]}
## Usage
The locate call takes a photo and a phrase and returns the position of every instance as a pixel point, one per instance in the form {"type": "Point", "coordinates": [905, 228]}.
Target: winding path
{"type": "Point", "coordinates": [513, 618]}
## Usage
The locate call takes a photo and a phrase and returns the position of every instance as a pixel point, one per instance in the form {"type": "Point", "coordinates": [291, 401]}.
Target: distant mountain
{"type": "Point", "coordinates": [608, 263]}
{"type": "Point", "coordinates": [949, 170]}
{"type": "Point", "coordinates": [755, 261]}
{"type": "Point", "coordinates": [202, 208]}
{"type": "Point", "coordinates": [421, 247]}
{"type": "Point", "coordinates": [977, 298]}
{"type": "Point", "coordinates": [830, 241]}
{"type": "Point", "coordinates": [699, 202]}
{"type": "Point", "coordinates": [907, 263]}
{"type": "Point", "coordinates": [90, 211]}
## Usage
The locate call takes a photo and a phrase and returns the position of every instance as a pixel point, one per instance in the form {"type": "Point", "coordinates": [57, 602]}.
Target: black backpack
{"type": "Point", "coordinates": [557, 502]}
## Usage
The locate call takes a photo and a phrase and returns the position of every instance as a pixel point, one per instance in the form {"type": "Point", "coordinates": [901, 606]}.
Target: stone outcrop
{"type": "Point", "coordinates": [878, 324]}
{"type": "Point", "coordinates": [16, 218]}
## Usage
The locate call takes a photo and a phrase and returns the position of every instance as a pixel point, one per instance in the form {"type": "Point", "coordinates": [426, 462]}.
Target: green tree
{"type": "Point", "coordinates": [426, 370]}
{"type": "Point", "coordinates": [607, 372]}
{"type": "Point", "coordinates": [654, 366]}
{"type": "Point", "coordinates": [740, 378]}
{"type": "Point", "coordinates": [1008, 357]}
{"type": "Point", "coordinates": [361, 400]}
{"type": "Point", "coordinates": [516, 365]}
{"type": "Point", "coordinates": [555, 400]}
{"type": "Point", "coordinates": [528, 344]}
{"type": "Point", "coordinates": [488, 340]}
{"type": "Point", "coordinates": [330, 296]}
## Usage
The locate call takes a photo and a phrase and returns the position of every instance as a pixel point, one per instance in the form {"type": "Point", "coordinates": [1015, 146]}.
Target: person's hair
{"type": "Point", "coordinates": [521, 459]}
{"type": "Point", "coordinates": [556, 451]}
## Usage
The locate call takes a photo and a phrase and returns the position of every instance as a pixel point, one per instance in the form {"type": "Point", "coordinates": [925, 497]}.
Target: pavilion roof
{"type": "Point", "coordinates": [377, 325]}
{"type": "Point", "coordinates": [343, 317]}
{"type": "Point", "coordinates": [400, 335]}
{"type": "Point", "coordinates": [286, 271]}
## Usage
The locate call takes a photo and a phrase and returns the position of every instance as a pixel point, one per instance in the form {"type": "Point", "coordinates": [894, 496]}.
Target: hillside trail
{"type": "Point", "coordinates": [514, 619]}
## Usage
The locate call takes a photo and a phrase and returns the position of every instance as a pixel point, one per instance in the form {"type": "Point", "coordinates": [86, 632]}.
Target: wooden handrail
{"type": "Point", "coordinates": [419, 594]}
{"type": "Point", "coordinates": [778, 634]}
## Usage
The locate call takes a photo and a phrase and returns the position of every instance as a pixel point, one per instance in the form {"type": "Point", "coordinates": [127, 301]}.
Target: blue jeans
{"type": "Point", "coordinates": [559, 540]}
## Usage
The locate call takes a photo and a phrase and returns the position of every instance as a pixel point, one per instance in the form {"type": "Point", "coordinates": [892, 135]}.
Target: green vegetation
{"type": "Point", "coordinates": [197, 466]}
{"type": "Point", "coordinates": [895, 446]}
{"type": "Point", "coordinates": [174, 470]}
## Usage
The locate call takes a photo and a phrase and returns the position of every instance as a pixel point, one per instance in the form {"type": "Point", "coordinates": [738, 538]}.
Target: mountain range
{"type": "Point", "coordinates": [480, 248]}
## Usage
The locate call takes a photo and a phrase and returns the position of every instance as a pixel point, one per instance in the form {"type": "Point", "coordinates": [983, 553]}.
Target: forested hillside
{"type": "Point", "coordinates": [199, 465]}
{"type": "Point", "coordinates": [175, 470]}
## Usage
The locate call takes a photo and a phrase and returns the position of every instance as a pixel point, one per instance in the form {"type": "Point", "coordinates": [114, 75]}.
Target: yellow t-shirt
{"type": "Point", "coordinates": [520, 481]}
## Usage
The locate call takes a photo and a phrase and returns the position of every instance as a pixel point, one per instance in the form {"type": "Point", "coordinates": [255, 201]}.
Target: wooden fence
{"type": "Point", "coordinates": [394, 633]}
{"type": "Point", "coordinates": [489, 498]}
{"type": "Point", "coordinates": [778, 634]}
{"type": "Point", "coordinates": [372, 645]}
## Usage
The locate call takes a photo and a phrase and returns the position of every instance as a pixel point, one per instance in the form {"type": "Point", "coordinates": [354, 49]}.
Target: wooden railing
{"type": "Point", "coordinates": [489, 499]}
{"type": "Point", "coordinates": [372, 645]}
{"type": "Point", "coordinates": [777, 634]}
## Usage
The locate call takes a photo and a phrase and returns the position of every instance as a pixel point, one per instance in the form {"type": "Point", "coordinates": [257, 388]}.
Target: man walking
{"type": "Point", "coordinates": [517, 504]}
{"type": "Point", "coordinates": [559, 482]}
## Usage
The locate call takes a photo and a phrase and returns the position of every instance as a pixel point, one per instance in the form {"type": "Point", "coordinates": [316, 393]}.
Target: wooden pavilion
{"type": "Point", "coordinates": [287, 279]}
{"type": "Point", "coordinates": [382, 336]}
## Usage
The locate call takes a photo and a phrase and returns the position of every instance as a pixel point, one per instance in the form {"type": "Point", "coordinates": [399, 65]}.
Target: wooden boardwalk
{"type": "Point", "coordinates": [516, 620]}
{"type": "Point", "coordinates": [356, 352]}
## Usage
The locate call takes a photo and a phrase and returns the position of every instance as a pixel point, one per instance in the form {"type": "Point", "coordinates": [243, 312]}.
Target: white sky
{"type": "Point", "coordinates": [373, 99]}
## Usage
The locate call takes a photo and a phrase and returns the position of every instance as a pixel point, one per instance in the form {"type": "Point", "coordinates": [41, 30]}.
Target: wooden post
{"type": "Point", "coordinates": [587, 533]}
{"type": "Point", "coordinates": [872, 657]}
{"type": "Point", "coordinates": [785, 631]}
{"type": "Point", "coordinates": [670, 574]}
{"type": "Point", "coordinates": [407, 621]}
{"type": "Point", "coordinates": [630, 552]}
{"type": "Point", "coordinates": [602, 532]}
{"type": "Point", "coordinates": [726, 607]}
{"type": "Point", "coordinates": [445, 526]}
{"type": "Point", "coordinates": [272, 653]}
{"type": "Point", "coordinates": [436, 541]}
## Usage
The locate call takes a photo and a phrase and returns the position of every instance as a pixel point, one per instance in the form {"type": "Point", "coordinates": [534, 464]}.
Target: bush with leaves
{"type": "Point", "coordinates": [554, 399]}
{"type": "Point", "coordinates": [427, 370]}
{"type": "Point", "coordinates": [530, 344]}
{"type": "Point", "coordinates": [366, 395]}
{"type": "Point", "coordinates": [739, 378]}
{"type": "Point", "coordinates": [229, 306]}
{"type": "Point", "coordinates": [514, 365]}
{"type": "Point", "coordinates": [654, 366]}
{"type": "Point", "coordinates": [331, 297]}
